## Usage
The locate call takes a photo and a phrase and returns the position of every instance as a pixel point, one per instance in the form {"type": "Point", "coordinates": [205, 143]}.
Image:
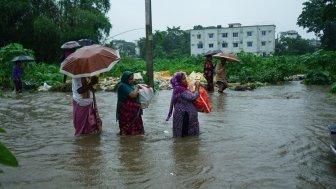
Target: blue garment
{"type": "Point", "coordinates": [16, 73]}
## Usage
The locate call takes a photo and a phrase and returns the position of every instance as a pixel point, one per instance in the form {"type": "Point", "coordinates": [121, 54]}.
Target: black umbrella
{"type": "Point", "coordinates": [22, 58]}
{"type": "Point", "coordinates": [212, 52]}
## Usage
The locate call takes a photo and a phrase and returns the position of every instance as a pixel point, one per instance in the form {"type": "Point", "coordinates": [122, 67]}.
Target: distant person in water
{"type": "Point", "coordinates": [17, 77]}
{"type": "Point", "coordinates": [220, 76]}
{"type": "Point", "coordinates": [208, 73]}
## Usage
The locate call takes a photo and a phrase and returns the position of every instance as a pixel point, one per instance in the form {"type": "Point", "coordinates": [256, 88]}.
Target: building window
{"type": "Point", "coordinates": [211, 35]}
{"type": "Point", "coordinates": [263, 43]}
{"type": "Point", "coordinates": [200, 46]}
{"type": "Point", "coordinates": [263, 32]}
{"type": "Point", "coordinates": [198, 36]}
{"type": "Point", "coordinates": [225, 35]}
{"type": "Point", "coordinates": [249, 44]}
{"type": "Point", "coordinates": [210, 45]}
{"type": "Point", "coordinates": [224, 45]}
{"type": "Point", "coordinates": [235, 34]}
{"type": "Point", "coordinates": [249, 33]}
{"type": "Point", "coordinates": [235, 44]}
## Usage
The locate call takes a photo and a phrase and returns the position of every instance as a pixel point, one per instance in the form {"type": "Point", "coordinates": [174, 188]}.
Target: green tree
{"type": "Point", "coordinates": [168, 44]}
{"type": "Point", "coordinates": [319, 16]}
{"type": "Point", "coordinates": [293, 46]}
{"type": "Point", "coordinates": [43, 25]}
{"type": "Point", "coordinates": [124, 47]}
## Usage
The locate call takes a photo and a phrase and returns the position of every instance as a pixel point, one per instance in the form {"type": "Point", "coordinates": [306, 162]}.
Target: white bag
{"type": "Point", "coordinates": [146, 94]}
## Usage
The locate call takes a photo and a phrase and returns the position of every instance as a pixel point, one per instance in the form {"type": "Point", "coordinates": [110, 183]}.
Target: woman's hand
{"type": "Point", "coordinates": [197, 84]}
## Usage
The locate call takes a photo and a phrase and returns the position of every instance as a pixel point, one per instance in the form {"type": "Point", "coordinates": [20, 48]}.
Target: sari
{"type": "Point", "coordinates": [128, 109]}
{"type": "Point", "coordinates": [185, 114]}
{"type": "Point", "coordinates": [84, 115]}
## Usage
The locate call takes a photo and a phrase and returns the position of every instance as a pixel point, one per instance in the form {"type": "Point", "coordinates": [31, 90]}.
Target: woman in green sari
{"type": "Point", "coordinates": [128, 107]}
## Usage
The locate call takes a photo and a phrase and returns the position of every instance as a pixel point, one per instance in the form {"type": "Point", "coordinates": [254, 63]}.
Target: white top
{"type": "Point", "coordinates": [76, 84]}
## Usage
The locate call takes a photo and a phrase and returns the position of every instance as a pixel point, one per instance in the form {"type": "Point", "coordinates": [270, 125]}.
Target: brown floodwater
{"type": "Point", "coordinates": [272, 137]}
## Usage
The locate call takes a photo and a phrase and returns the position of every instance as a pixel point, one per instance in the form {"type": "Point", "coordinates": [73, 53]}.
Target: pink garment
{"type": "Point", "coordinates": [84, 119]}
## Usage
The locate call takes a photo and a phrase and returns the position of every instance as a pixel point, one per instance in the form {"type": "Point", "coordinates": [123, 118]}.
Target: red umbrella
{"type": "Point", "coordinates": [89, 61]}
{"type": "Point", "coordinates": [228, 57]}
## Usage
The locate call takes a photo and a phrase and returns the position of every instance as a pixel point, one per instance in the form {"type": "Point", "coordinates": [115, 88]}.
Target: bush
{"type": "Point", "coordinates": [7, 53]}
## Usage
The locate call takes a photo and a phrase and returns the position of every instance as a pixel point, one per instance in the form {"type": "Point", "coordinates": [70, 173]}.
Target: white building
{"type": "Point", "coordinates": [290, 34]}
{"type": "Point", "coordinates": [258, 39]}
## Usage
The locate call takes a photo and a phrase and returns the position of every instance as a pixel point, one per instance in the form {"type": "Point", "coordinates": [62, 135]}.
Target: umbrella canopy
{"type": "Point", "coordinates": [212, 52]}
{"type": "Point", "coordinates": [89, 61]}
{"type": "Point", "coordinates": [70, 45]}
{"type": "Point", "coordinates": [22, 58]}
{"type": "Point", "coordinates": [228, 57]}
{"type": "Point", "coordinates": [86, 42]}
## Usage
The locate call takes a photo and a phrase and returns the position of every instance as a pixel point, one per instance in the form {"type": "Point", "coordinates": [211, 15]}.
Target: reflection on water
{"type": "Point", "coordinates": [272, 137]}
{"type": "Point", "coordinates": [132, 159]}
{"type": "Point", "coordinates": [191, 165]}
{"type": "Point", "coordinates": [87, 161]}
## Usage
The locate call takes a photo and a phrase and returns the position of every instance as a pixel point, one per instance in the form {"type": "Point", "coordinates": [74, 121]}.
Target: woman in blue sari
{"type": "Point", "coordinates": [128, 107]}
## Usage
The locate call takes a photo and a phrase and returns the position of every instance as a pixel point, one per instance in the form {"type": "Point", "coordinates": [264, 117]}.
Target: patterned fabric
{"type": "Point", "coordinates": [208, 74]}
{"type": "Point", "coordinates": [84, 119]}
{"type": "Point", "coordinates": [130, 120]}
{"type": "Point", "coordinates": [185, 117]}
{"type": "Point", "coordinates": [124, 89]}
{"type": "Point", "coordinates": [128, 109]}
{"type": "Point", "coordinates": [178, 89]}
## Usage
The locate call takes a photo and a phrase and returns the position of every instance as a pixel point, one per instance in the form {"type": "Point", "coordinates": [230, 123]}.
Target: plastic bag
{"type": "Point", "coordinates": [202, 103]}
{"type": "Point", "coordinates": [146, 94]}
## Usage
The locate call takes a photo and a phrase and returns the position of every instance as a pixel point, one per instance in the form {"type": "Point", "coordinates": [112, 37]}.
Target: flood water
{"type": "Point", "coordinates": [272, 137]}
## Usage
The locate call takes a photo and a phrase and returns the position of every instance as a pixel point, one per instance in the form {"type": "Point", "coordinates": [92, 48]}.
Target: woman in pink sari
{"type": "Point", "coordinates": [84, 115]}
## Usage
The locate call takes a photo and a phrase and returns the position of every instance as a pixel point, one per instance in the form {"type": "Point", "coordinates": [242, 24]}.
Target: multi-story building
{"type": "Point", "coordinates": [290, 34]}
{"type": "Point", "coordinates": [258, 39]}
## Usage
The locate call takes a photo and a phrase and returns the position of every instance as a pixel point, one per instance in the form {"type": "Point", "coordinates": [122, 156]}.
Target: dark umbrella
{"type": "Point", "coordinates": [212, 52]}
{"type": "Point", "coordinates": [22, 58]}
{"type": "Point", "coordinates": [86, 42]}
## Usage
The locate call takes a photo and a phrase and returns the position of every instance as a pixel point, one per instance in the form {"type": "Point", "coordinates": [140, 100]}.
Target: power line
{"type": "Point", "coordinates": [111, 37]}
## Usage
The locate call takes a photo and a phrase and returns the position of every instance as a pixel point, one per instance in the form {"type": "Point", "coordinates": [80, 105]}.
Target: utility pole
{"type": "Point", "coordinates": [149, 43]}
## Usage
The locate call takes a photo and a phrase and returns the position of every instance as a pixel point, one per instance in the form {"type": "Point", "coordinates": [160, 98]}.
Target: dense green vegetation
{"type": "Point", "coordinates": [45, 25]}
{"type": "Point", "coordinates": [320, 67]}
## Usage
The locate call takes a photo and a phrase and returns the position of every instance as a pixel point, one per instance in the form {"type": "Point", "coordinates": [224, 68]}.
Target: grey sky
{"type": "Point", "coordinates": [126, 15]}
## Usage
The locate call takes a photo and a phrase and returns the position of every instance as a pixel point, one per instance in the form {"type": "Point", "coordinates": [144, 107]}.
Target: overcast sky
{"type": "Point", "coordinates": [128, 16]}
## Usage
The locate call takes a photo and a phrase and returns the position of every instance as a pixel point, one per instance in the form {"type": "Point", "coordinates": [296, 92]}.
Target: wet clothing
{"type": "Point", "coordinates": [17, 78]}
{"type": "Point", "coordinates": [209, 74]}
{"type": "Point", "coordinates": [185, 115]}
{"type": "Point", "coordinates": [220, 77]}
{"type": "Point", "coordinates": [129, 110]}
{"type": "Point", "coordinates": [84, 117]}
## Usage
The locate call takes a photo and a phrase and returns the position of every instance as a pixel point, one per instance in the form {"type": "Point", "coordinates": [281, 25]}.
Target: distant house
{"type": "Point", "coordinates": [258, 39]}
{"type": "Point", "coordinates": [290, 34]}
